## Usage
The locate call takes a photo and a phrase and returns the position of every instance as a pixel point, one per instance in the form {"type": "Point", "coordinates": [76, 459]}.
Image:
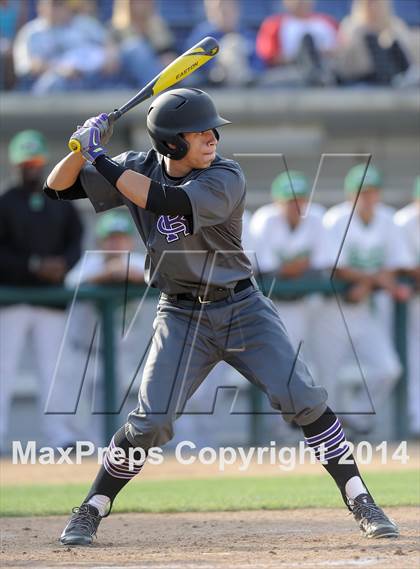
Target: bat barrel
{"type": "Point", "coordinates": [209, 46]}
{"type": "Point", "coordinates": [180, 68]}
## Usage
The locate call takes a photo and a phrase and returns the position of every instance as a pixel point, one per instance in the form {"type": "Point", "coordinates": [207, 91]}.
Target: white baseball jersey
{"type": "Point", "coordinates": [408, 219]}
{"type": "Point", "coordinates": [94, 262]}
{"type": "Point", "coordinates": [276, 242]}
{"type": "Point", "coordinates": [369, 247]}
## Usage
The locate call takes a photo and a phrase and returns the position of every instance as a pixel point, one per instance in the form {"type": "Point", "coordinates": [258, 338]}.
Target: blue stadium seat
{"type": "Point", "coordinates": [254, 12]}
{"type": "Point", "coordinates": [181, 13]}
{"type": "Point", "coordinates": [408, 10]}
{"type": "Point", "coordinates": [335, 8]}
{"type": "Point", "coordinates": [182, 16]}
{"type": "Point", "coordinates": [105, 8]}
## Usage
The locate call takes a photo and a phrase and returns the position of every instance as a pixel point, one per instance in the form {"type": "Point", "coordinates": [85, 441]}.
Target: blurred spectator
{"type": "Point", "coordinates": [147, 44]}
{"type": "Point", "coordinates": [290, 243]}
{"type": "Point", "coordinates": [61, 50]}
{"type": "Point", "coordinates": [13, 14]}
{"type": "Point", "coordinates": [237, 62]}
{"type": "Point", "coordinates": [115, 262]}
{"type": "Point", "coordinates": [39, 242]}
{"type": "Point", "coordinates": [370, 250]}
{"type": "Point", "coordinates": [408, 219]}
{"type": "Point", "coordinates": [374, 45]}
{"type": "Point", "coordinates": [301, 39]}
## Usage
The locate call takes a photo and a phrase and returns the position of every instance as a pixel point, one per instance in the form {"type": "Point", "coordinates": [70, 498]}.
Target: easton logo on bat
{"type": "Point", "coordinates": [190, 68]}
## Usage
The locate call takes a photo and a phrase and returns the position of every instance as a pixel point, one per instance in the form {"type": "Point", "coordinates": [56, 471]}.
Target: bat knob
{"type": "Point", "coordinates": [74, 145]}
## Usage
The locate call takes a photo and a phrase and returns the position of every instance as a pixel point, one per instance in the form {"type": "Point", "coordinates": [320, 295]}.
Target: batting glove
{"type": "Point", "coordinates": [105, 125]}
{"type": "Point", "coordinates": [89, 140]}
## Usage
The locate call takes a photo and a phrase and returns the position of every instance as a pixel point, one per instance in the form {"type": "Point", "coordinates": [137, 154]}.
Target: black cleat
{"type": "Point", "coordinates": [373, 522]}
{"type": "Point", "coordinates": [82, 526]}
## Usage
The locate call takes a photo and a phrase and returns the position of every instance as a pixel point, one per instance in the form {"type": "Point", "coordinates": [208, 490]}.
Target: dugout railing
{"type": "Point", "coordinates": [108, 298]}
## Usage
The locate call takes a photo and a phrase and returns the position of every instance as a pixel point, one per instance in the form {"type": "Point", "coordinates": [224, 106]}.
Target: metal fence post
{"type": "Point", "coordinates": [107, 308]}
{"type": "Point", "coordinates": [400, 338]}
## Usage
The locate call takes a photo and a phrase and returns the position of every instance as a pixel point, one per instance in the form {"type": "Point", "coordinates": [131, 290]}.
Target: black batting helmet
{"type": "Point", "coordinates": [178, 111]}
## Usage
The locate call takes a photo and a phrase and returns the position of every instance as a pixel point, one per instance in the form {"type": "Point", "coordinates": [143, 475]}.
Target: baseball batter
{"type": "Point", "coordinates": [187, 203]}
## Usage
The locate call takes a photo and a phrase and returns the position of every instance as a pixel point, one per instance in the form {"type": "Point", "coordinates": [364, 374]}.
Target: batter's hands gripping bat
{"type": "Point", "coordinates": [180, 68]}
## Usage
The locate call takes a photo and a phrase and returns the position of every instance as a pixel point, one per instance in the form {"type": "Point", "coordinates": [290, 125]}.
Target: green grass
{"type": "Point", "coordinates": [389, 488]}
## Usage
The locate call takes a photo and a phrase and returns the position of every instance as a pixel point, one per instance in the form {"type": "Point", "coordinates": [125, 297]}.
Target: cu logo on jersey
{"type": "Point", "coordinates": [171, 226]}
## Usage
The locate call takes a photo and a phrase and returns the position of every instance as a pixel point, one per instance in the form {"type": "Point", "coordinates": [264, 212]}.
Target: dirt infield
{"type": "Point", "coordinates": [296, 538]}
{"type": "Point", "coordinates": [223, 540]}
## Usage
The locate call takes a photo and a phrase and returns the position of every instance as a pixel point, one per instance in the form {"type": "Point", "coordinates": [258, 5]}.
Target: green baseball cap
{"type": "Point", "coordinates": [289, 185]}
{"type": "Point", "coordinates": [371, 179]}
{"type": "Point", "coordinates": [26, 146]}
{"type": "Point", "coordinates": [416, 191]}
{"type": "Point", "coordinates": [113, 222]}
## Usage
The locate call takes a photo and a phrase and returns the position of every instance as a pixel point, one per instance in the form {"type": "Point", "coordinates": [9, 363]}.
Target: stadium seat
{"type": "Point", "coordinates": [408, 10]}
{"type": "Point", "coordinates": [337, 9]}
{"type": "Point", "coordinates": [181, 16]}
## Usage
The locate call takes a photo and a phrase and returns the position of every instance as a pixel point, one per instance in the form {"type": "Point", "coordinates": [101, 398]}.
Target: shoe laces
{"type": "Point", "coordinates": [367, 510]}
{"type": "Point", "coordinates": [84, 519]}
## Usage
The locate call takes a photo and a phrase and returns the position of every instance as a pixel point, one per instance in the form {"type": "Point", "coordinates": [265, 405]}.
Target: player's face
{"type": "Point", "coordinates": [118, 242]}
{"type": "Point", "coordinates": [367, 200]}
{"type": "Point", "coordinates": [202, 149]}
{"type": "Point", "coordinates": [32, 174]}
{"type": "Point", "coordinates": [294, 210]}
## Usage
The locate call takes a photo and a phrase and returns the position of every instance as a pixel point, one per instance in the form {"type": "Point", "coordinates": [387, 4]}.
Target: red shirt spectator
{"type": "Point", "coordinates": [280, 36]}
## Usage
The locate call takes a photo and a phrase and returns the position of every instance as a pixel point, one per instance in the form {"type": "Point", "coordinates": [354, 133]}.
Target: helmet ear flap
{"type": "Point", "coordinates": [162, 146]}
{"type": "Point", "coordinates": [182, 147]}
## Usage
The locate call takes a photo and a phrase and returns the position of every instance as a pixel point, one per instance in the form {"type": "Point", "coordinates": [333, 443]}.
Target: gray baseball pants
{"type": "Point", "coordinates": [246, 331]}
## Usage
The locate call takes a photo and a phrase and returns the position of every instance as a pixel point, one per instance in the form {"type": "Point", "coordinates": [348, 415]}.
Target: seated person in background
{"type": "Point", "coordinates": [12, 16]}
{"type": "Point", "coordinates": [237, 62]}
{"type": "Point", "coordinates": [147, 44]}
{"type": "Point", "coordinates": [115, 261]}
{"type": "Point", "coordinates": [299, 37]}
{"type": "Point", "coordinates": [370, 250]}
{"type": "Point", "coordinates": [39, 243]}
{"type": "Point", "coordinates": [373, 45]}
{"type": "Point", "coordinates": [60, 51]}
{"type": "Point", "coordinates": [290, 242]}
{"type": "Point", "coordinates": [408, 219]}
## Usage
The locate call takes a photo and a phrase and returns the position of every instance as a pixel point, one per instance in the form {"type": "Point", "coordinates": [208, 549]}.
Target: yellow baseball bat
{"type": "Point", "coordinates": [180, 68]}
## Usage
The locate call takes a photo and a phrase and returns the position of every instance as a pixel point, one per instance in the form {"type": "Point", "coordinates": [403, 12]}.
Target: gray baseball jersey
{"type": "Point", "coordinates": [184, 252]}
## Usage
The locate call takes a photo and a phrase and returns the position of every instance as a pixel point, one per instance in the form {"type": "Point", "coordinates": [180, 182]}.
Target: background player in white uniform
{"type": "Point", "coordinates": [408, 218]}
{"type": "Point", "coordinates": [290, 243]}
{"type": "Point", "coordinates": [372, 250]}
{"type": "Point", "coordinates": [114, 262]}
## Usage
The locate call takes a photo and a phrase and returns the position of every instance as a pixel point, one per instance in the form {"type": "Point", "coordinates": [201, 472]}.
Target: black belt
{"type": "Point", "coordinates": [212, 295]}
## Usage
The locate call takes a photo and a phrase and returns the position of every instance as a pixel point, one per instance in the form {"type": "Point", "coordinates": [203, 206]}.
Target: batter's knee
{"type": "Point", "coordinates": [301, 408]}
{"type": "Point", "coordinates": [148, 430]}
